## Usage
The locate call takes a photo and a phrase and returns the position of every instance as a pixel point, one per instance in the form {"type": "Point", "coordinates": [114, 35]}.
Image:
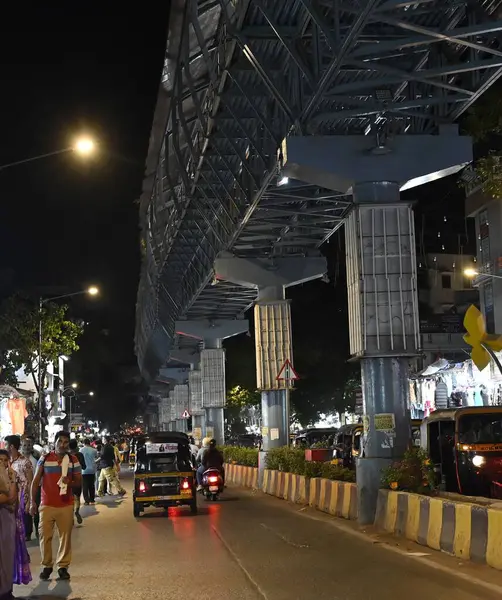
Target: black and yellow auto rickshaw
{"type": "Point", "coordinates": [347, 445]}
{"type": "Point", "coordinates": [349, 440]}
{"type": "Point", "coordinates": [313, 435]}
{"type": "Point", "coordinates": [465, 447]}
{"type": "Point", "coordinates": [164, 474]}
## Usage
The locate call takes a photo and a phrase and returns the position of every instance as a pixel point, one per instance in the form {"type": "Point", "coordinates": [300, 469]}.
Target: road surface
{"type": "Point", "coordinates": [250, 547]}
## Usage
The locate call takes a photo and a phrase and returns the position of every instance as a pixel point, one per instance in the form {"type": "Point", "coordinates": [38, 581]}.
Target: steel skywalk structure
{"type": "Point", "coordinates": [242, 75]}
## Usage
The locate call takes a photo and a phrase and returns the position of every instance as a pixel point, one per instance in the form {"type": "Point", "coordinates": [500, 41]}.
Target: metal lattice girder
{"type": "Point", "coordinates": [239, 76]}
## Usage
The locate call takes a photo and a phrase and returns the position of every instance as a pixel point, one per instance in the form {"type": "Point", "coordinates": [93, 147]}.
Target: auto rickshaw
{"type": "Point", "coordinates": [164, 473]}
{"type": "Point", "coordinates": [465, 447]}
{"type": "Point", "coordinates": [347, 445]}
{"type": "Point", "coordinates": [349, 440]}
{"type": "Point", "coordinates": [313, 435]}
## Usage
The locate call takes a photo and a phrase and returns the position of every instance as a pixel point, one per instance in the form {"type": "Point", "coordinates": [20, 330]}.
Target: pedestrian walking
{"type": "Point", "coordinates": [77, 492]}
{"type": "Point", "coordinates": [8, 500]}
{"type": "Point", "coordinates": [28, 451]}
{"type": "Point", "coordinates": [24, 471]}
{"type": "Point", "coordinates": [90, 455]}
{"type": "Point", "coordinates": [108, 474]}
{"type": "Point", "coordinates": [59, 473]}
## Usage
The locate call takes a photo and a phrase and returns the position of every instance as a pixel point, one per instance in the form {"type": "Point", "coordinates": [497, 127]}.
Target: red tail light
{"type": "Point", "coordinates": [185, 485]}
{"type": "Point", "coordinates": [213, 479]}
{"type": "Point", "coordinates": [142, 486]}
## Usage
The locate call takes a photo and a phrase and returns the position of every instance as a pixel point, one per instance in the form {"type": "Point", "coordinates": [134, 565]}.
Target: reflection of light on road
{"type": "Point", "coordinates": [214, 511]}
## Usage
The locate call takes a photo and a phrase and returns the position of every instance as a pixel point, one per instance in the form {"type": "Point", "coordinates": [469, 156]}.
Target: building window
{"type": "Point", "coordinates": [446, 282]}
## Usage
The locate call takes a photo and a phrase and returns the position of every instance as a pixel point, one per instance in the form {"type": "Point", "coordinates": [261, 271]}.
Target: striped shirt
{"type": "Point", "coordinates": [51, 464]}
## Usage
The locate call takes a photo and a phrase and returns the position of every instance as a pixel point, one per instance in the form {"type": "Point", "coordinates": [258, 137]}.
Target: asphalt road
{"type": "Point", "coordinates": [247, 547]}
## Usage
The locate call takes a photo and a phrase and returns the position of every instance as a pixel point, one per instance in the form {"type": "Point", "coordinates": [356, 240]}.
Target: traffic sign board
{"type": "Point", "coordinates": [185, 415]}
{"type": "Point", "coordinates": [287, 373]}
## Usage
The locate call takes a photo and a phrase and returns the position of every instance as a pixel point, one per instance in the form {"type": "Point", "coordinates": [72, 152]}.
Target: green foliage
{"type": "Point", "coordinates": [414, 473]}
{"type": "Point", "coordinates": [240, 397]}
{"type": "Point", "coordinates": [484, 119]}
{"type": "Point", "coordinates": [292, 460]}
{"type": "Point", "coordinates": [484, 123]}
{"type": "Point", "coordinates": [19, 332]}
{"type": "Point", "coordinates": [247, 457]}
{"type": "Point", "coordinates": [489, 172]}
{"type": "Point", "coordinates": [9, 364]}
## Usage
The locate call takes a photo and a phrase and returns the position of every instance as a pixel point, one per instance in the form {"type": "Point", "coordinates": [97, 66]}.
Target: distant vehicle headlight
{"type": "Point", "coordinates": [478, 461]}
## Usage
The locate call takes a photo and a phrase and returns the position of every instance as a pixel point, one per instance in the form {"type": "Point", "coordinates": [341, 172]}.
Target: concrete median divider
{"type": "Point", "coordinates": [333, 497]}
{"type": "Point", "coordinates": [467, 530]}
{"type": "Point", "coordinates": [242, 476]}
{"type": "Point", "coordinates": [337, 498]}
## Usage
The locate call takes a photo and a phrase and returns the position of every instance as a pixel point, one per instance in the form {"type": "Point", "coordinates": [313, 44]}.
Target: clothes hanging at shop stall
{"type": "Point", "coordinates": [18, 413]}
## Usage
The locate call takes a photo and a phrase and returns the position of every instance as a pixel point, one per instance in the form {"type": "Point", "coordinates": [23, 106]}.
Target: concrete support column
{"type": "Point", "coordinates": [196, 407]}
{"type": "Point", "coordinates": [199, 427]}
{"type": "Point", "coordinates": [213, 389]}
{"type": "Point", "coordinates": [273, 342]}
{"type": "Point", "coordinates": [212, 368]}
{"type": "Point", "coordinates": [181, 425]}
{"type": "Point", "coordinates": [381, 269]}
{"type": "Point", "coordinates": [215, 424]}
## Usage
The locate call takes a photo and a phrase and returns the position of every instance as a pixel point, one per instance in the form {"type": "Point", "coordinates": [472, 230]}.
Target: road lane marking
{"type": "Point", "coordinates": [283, 537]}
{"type": "Point", "coordinates": [467, 577]}
{"type": "Point", "coordinates": [247, 574]}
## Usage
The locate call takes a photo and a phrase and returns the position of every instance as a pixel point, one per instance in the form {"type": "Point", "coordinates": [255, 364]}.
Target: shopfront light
{"type": "Point", "coordinates": [478, 461]}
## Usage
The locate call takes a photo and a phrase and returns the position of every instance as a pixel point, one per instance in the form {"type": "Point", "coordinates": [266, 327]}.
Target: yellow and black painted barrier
{"type": "Point", "coordinates": [334, 497]}
{"type": "Point", "coordinates": [241, 476]}
{"type": "Point", "coordinates": [468, 531]}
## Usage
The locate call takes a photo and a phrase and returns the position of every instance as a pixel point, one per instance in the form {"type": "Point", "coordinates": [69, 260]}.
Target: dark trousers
{"type": "Point", "coordinates": [89, 487]}
{"type": "Point", "coordinates": [28, 525]}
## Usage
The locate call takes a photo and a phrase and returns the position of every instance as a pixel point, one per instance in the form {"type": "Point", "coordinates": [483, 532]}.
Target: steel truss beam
{"type": "Point", "coordinates": [241, 75]}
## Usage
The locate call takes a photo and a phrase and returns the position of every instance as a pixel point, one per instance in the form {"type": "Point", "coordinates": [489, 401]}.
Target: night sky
{"type": "Point", "coordinates": [66, 223]}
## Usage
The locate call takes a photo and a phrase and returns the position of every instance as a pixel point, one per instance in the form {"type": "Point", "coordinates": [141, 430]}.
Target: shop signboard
{"type": "Point", "coordinates": [442, 324]}
{"type": "Point", "coordinates": [161, 448]}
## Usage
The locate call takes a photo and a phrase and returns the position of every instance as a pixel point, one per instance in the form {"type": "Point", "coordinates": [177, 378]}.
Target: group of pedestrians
{"type": "Point", "coordinates": [42, 493]}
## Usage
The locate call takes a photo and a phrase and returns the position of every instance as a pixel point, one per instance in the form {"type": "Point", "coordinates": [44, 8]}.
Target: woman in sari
{"type": "Point", "coordinates": [8, 502]}
{"type": "Point", "coordinates": [22, 572]}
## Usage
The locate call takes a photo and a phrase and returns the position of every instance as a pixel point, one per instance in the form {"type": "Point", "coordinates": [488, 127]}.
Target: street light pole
{"type": "Point", "coordinates": [83, 146]}
{"type": "Point", "coordinates": [93, 291]}
{"type": "Point", "coordinates": [39, 372]}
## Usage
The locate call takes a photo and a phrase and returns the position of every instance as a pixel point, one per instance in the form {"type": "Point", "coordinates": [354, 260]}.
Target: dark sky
{"type": "Point", "coordinates": [63, 222]}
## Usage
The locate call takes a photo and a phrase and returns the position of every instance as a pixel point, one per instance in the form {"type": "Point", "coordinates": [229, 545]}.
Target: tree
{"type": "Point", "coordinates": [239, 401]}
{"type": "Point", "coordinates": [239, 397]}
{"type": "Point", "coordinates": [19, 334]}
{"type": "Point", "coordinates": [484, 123]}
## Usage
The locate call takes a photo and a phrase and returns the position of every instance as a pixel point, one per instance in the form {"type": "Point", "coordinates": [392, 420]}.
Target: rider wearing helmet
{"type": "Point", "coordinates": [211, 458]}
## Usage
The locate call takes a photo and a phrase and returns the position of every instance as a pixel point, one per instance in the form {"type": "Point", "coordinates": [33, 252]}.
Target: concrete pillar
{"type": "Point", "coordinates": [196, 408]}
{"type": "Point", "coordinates": [181, 425]}
{"type": "Point", "coordinates": [212, 362]}
{"type": "Point", "coordinates": [199, 427]}
{"type": "Point", "coordinates": [381, 270]}
{"type": "Point", "coordinates": [273, 342]}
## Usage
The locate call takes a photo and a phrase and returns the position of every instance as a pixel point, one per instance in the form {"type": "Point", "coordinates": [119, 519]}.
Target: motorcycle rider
{"type": "Point", "coordinates": [211, 458]}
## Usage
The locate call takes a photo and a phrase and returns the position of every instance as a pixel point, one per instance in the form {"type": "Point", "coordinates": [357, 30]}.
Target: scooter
{"type": "Point", "coordinates": [212, 484]}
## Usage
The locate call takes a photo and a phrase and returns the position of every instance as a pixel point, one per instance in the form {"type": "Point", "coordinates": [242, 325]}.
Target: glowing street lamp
{"type": "Point", "coordinates": [83, 146]}
{"type": "Point", "coordinates": [473, 273]}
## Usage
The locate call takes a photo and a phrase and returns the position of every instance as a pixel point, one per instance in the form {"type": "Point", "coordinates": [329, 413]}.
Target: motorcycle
{"type": "Point", "coordinates": [212, 484]}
